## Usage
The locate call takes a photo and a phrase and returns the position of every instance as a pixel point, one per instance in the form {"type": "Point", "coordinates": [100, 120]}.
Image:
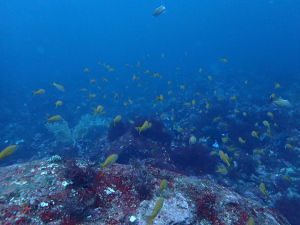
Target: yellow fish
{"type": "Point", "coordinates": [262, 188]}
{"type": "Point", "coordinates": [116, 96]}
{"type": "Point", "coordinates": [280, 102]}
{"type": "Point", "coordinates": [53, 119]}
{"type": "Point", "coordinates": [225, 140]}
{"type": "Point", "coordinates": [224, 60]}
{"type": "Point", "coordinates": [255, 134]}
{"type": "Point", "coordinates": [39, 92]}
{"type": "Point", "coordinates": [163, 184]}
{"type": "Point", "coordinates": [159, 98]}
{"type": "Point", "coordinates": [241, 140]}
{"type": "Point", "coordinates": [93, 81]}
{"type": "Point", "coordinates": [216, 119]}
{"type": "Point", "coordinates": [134, 77]}
{"type": "Point", "coordinates": [58, 103]}
{"type": "Point", "coordinates": [193, 103]}
{"type": "Point", "coordinates": [250, 221]}
{"type": "Point", "coordinates": [287, 178]}
{"type": "Point", "coordinates": [246, 82]}
{"type": "Point", "coordinates": [224, 158]}
{"type": "Point", "coordinates": [200, 70]}
{"type": "Point", "coordinates": [223, 170]}
{"type": "Point", "coordinates": [289, 146]}
{"type": "Point", "coordinates": [58, 86]}
{"type": "Point", "coordinates": [86, 70]}
{"type": "Point", "coordinates": [146, 72]}
{"type": "Point", "coordinates": [244, 114]}
{"type": "Point", "coordinates": [146, 125]}
{"type": "Point", "coordinates": [210, 77]}
{"type": "Point", "coordinates": [8, 151]}
{"type": "Point", "coordinates": [266, 123]}
{"type": "Point", "coordinates": [277, 85]}
{"type": "Point", "coordinates": [233, 98]}
{"type": "Point", "coordinates": [108, 161]}
{"type": "Point", "coordinates": [163, 55]}
{"type": "Point", "coordinates": [157, 208]}
{"type": "Point", "coordinates": [117, 119]}
{"type": "Point", "coordinates": [192, 140]}
{"type": "Point", "coordinates": [104, 79]}
{"type": "Point", "coordinates": [97, 110]}
{"type": "Point", "coordinates": [169, 82]}
{"type": "Point", "coordinates": [270, 115]}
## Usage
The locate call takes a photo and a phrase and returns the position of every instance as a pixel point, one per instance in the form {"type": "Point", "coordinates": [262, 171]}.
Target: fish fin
{"type": "Point", "coordinates": [33, 93]}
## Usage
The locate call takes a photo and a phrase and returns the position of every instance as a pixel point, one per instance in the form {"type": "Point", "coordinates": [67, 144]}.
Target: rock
{"type": "Point", "coordinates": [33, 193]}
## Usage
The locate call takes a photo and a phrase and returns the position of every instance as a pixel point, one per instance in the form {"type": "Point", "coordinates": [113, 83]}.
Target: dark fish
{"type": "Point", "coordinates": [159, 10]}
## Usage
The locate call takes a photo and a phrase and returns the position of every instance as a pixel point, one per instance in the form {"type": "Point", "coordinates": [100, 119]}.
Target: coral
{"type": "Point", "coordinates": [63, 133]}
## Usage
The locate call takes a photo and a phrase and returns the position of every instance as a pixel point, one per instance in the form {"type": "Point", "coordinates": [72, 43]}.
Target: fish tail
{"type": "Point", "coordinates": [102, 170]}
{"type": "Point", "coordinates": [33, 93]}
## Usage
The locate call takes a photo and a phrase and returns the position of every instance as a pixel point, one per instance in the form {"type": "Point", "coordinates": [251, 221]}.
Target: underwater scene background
{"type": "Point", "coordinates": [216, 81]}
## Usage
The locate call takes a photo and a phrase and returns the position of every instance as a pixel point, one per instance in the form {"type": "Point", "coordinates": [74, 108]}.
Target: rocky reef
{"type": "Point", "coordinates": [61, 191]}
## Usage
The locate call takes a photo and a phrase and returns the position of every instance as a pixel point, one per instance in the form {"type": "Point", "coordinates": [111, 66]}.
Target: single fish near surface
{"type": "Point", "coordinates": [161, 9]}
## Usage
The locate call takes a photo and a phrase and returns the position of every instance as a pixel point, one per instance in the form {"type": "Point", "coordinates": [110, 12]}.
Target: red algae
{"type": "Point", "coordinates": [47, 195]}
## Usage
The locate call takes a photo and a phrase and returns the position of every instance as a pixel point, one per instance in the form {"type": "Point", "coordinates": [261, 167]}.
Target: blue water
{"type": "Point", "coordinates": [45, 41]}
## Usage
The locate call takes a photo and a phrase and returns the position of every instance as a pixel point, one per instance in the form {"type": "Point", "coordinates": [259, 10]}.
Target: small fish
{"type": "Point", "coordinates": [280, 102]}
{"type": "Point", "coordinates": [8, 151]}
{"type": "Point", "coordinates": [225, 139]}
{"type": "Point", "coordinates": [116, 96]}
{"type": "Point", "coordinates": [192, 140]}
{"type": "Point", "coordinates": [157, 208]}
{"type": "Point", "coordinates": [58, 103]}
{"type": "Point", "coordinates": [134, 77]}
{"type": "Point", "coordinates": [108, 161]}
{"type": "Point", "coordinates": [146, 72]}
{"type": "Point", "coordinates": [163, 184]}
{"type": "Point", "coordinates": [250, 221]}
{"type": "Point", "coordinates": [289, 146]}
{"type": "Point", "coordinates": [200, 70]}
{"type": "Point", "coordinates": [146, 125]}
{"type": "Point", "coordinates": [233, 98]}
{"type": "Point", "coordinates": [269, 114]}
{"type": "Point", "coordinates": [104, 79]}
{"type": "Point", "coordinates": [93, 81]}
{"type": "Point", "coordinates": [193, 103]}
{"type": "Point", "coordinates": [159, 98]}
{"type": "Point", "coordinates": [224, 158]}
{"type": "Point", "coordinates": [216, 119]}
{"type": "Point", "coordinates": [39, 92]}
{"type": "Point", "coordinates": [255, 134]}
{"type": "Point", "coordinates": [266, 123]}
{"type": "Point", "coordinates": [117, 119]}
{"type": "Point", "coordinates": [224, 60]}
{"type": "Point", "coordinates": [244, 114]}
{"type": "Point", "coordinates": [215, 145]}
{"type": "Point", "coordinates": [262, 188]}
{"type": "Point", "coordinates": [161, 9]}
{"type": "Point", "coordinates": [223, 170]}
{"type": "Point", "coordinates": [277, 85]}
{"type": "Point", "coordinates": [53, 119]}
{"type": "Point", "coordinates": [58, 86]}
{"type": "Point", "coordinates": [241, 140]}
{"type": "Point", "coordinates": [86, 70]}
{"type": "Point", "coordinates": [287, 178]}
{"type": "Point", "coordinates": [246, 82]}
{"type": "Point", "coordinates": [210, 77]}
{"type": "Point", "coordinates": [97, 110]}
